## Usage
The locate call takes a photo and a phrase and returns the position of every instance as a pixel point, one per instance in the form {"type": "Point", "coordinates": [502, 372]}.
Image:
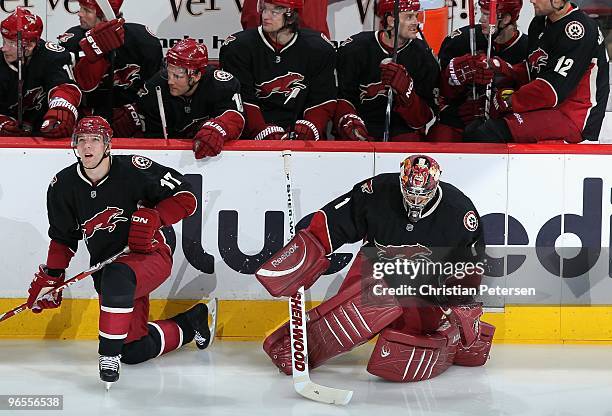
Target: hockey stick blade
{"type": "Point", "coordinates": [323, 394]}
{"type": "Point", "coordinates": [213, 307]}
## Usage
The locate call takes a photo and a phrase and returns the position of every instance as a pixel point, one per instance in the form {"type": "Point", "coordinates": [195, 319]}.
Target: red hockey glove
{"type": "Point", "coordinates": [144, 224]}
{"type": "Point", "coordinates": [8, 128]}
{"type": "Point", "coordinates": [501, 103]}
{"type": "Point", "coordinates": [467, 69]}
{"type": "Point", "coordinates": [208, 142]}
{"type": "Point", "coordinates": [484, 72]}
{"type": "Point", "coordinates": [304, 130]}
{"type": "Point", "coordinates": [59, 120]}
{"type": "Point", "coordinates": [271, 132]}
{"type": "Point", "coordinates": [39, 287]}
{"type": "Point", "coordinates": [352, 127]}
{"type": "Point", "coordinates": [499, 66]}
{"type": "Point", "coordinates": [126, 121]}
{"type": "Point", "coordinates": [470, 110]}
{"type": "Point", "coordinates": [102, 39]}
{"type": "Point", "coordinates": [395, 76]}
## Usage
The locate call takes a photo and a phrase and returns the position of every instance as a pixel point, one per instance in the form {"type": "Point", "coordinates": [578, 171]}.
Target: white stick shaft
{"type": "Point", "coordinates": [162, 111]}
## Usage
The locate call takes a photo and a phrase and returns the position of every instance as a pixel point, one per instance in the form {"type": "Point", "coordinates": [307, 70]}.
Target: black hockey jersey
{"type": "Point", "coordinates": [217, 92]}
{"type": "Point", "coordinates": [458, 44]}
{"type": "Point", "coordinates": [268, 77]}
{"type": "Point", "coordinates": [568, 68]}
{"type": "Point", "coordinates": [101, 213]}
{"type": "Point", "coordinates": [136, 61]}
{"type": "Point", "coordinates": [359, 58]}
{"type": "Point", "coordinates": [373, 211]}
{"type": "Point", "coordinates": [49, 66]}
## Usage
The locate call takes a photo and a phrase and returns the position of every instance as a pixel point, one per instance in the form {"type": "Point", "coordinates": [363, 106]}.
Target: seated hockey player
{"type": "Point", "coordinates": [364, 79]}
{"type": "Point", "coordinates": [134, 53]}
{"type": "Point", "coordinates": [460, 73]}
{"type": "Point", "coordinates": [417, 218]}
{"type": "Point", "coordinates": [563, 85]}
{"type": "Point", "coordinates": [200, 102]}
{"type": "Point", "coordinates": [50, 97]}
{"type": "Point", "coordinates": [313, 15]}
{"type": "Point", "coordinates": [113, 202]}
{"type": "Point", "coordinates": [286, 75]}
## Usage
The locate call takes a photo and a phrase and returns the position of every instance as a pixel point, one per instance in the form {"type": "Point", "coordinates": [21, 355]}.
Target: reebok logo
{"type": "Point", "coordinates": [277, 262]}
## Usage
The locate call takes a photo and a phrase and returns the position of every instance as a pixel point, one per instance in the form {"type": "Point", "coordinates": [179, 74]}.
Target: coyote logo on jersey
{"type": "Point", "coordinates": [371, 91]}
{"type": "Point", "coordinates": [126, 76]}
{"type": "Point", "coordinates": [32, 99]}
{"type": "Point", "coordinates": [283, 84]}
{"type": "Point", "coordinates": [412, 252]}
{"type": "Point", "coordinates": [538, 60]}
{"type": "Point", "coordinates": [105, 220]}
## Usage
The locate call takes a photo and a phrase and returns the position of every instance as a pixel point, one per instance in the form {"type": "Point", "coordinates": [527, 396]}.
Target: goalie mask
{"type": "Point", "coordinates": [419, 178]}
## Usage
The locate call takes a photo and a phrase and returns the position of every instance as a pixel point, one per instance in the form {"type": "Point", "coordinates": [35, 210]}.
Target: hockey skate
{"type": "Point", "coordinates": [109, 369]}
{"type": "Point", "coordinates": [197, 317]}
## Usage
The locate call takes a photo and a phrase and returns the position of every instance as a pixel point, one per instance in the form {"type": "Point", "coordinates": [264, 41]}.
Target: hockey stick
{"type": "Point", "coordinates": [67, 283]}
{"type": "Point", "coordinates": [213, 307]}
{"type": "Point", "coordinates": [492, 28]}
{"type": "Point", "coordinates": [393, 59]}
{"type": "Point", "coordinates": [472, 18]}
{"type": "Point", "coordinates": [297, 327]}
{"type": "Point", "coordinates": [162, 111]}
{"type": "Point", "coordinates": [20, 63]}
{"type": "Point", "coordinates": [109, 15]}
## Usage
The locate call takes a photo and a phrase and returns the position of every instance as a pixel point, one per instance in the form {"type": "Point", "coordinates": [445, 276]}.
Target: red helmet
{"type": "Point", "coordinates": [31, 25]}
{"type": "Point", "coordinates": [92, 125]}
{"type": "Point", "coordinates": [290, 4]}
{"type": "Point", "coordinates": [188, 54]}
{"type": "Point", "coordinates": [419, 178]}
{"type": "Point", "coordinates": [512, 7]}
{"type": "Point", "coordinates": [92, 4]}
{"type": "Point", "coordinates": [386, 6]}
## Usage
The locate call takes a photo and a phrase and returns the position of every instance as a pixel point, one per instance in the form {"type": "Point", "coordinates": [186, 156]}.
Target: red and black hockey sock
{"type": "Point", "coordinates": [117, 286]}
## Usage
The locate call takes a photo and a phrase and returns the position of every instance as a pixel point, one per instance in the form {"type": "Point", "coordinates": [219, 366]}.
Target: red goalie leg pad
{"type": "Point", "coordinates": [338, 325]}
{"type": "Point", "coordinates": [478, 353]}
{"type": "Point", "coordinates": [405, 357]}
{"type": "Point", "coordinates": [170, 333]}
{"type": "Point", "coordinates": [300, 263]}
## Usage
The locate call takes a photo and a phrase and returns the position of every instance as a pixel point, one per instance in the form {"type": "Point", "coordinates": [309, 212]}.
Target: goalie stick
{"type": "Point", "coordinates": [66, 284]}
{"type": "Point", "coordinates": [297, 327]}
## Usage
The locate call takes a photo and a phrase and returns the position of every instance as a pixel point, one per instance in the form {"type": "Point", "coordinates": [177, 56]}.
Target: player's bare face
{"type": "Point", "coordinates": [91, 149]}
{"type": "Point", "coordinates": [178, 81]}
{"type": "Point", "coordinates": [484, 21]}
{"type": "Point", "coordinates": [9, 49]}
{"type": "Point", "coordinates": [409, 24]}
{"type": "Point", "coordinates": [272, 17]}
{"type": "Point", "coordinates": [542, 7]}
{"type": "Point", "coordinates": [88, 18]}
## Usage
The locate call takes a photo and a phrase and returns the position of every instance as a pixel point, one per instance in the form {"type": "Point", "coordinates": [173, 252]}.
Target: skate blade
{"type": "Point", "coordinates": [108, 385]}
